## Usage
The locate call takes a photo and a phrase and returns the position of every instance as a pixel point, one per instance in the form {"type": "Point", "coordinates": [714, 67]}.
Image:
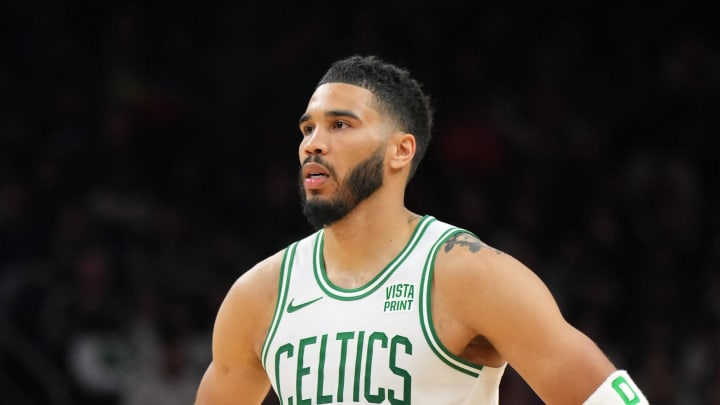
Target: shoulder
{"type": "Point", "coordinates": [485, 281]}
{"type": "Point", "coordinates": [261, 280]}
{"type": "Point", "coordinates": [464, 255]}
{"type": "Point", "coordinates": [246, 312]}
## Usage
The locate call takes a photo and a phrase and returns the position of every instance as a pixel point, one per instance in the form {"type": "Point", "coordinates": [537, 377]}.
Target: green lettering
{"type": "Point", "coordinates": [322, 398]}
{"type": "Point", "coordinates": [287, 347]}
{"type": "Point", "coordinates": [386, 306]}
{"type": "Point", "coordinates": [393, 306]}
{"type": "Point", "coordinates": [410, 291]}
{"type": "Point", "coordinates": [380, 396]}
{"type": "Point", "coordinates": [302, 370]}
{"type": "Point", "coordinates": [358, 364]}
{"type": "Point", "coordinates": [407, 379]}
{"type": "Point", "coordinates": [344, 337]}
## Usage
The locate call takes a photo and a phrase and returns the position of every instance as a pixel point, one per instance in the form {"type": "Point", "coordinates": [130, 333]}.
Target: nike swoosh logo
{"type": "Point", "coordinates": [292, 308]}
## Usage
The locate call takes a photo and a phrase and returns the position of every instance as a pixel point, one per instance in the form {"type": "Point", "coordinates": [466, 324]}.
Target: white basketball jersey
{"type": "Point", "coordinates": [370, 345]}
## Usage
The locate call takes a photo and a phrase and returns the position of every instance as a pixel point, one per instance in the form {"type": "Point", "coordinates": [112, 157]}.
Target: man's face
{"type": "Point", "coordinates": [342, 152]}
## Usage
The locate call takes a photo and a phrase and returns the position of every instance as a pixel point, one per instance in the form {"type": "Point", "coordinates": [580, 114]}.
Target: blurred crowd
{"type": "Point", "coordinates": [148, 158]}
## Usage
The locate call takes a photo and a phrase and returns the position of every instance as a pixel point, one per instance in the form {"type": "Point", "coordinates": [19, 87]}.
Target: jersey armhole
{"type": "Point", "coordinates": [425, 310]}
{"type": "Point", "coordinates": [283, 284]}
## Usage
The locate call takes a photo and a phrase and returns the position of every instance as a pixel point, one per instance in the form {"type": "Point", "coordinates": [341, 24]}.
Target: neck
{"type": "Point", "coordinates": [370, 227]}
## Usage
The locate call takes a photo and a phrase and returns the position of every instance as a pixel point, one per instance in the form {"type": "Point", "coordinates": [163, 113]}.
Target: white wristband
{"type": "Point", "coordinates": [618, 389]}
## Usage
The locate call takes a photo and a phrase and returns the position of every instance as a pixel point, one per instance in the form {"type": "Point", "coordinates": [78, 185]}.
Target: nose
{"type": "Point", "coordinates": [315, 144]}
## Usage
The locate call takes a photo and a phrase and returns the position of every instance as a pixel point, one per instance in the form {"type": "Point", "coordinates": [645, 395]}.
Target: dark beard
{"type": "Point", "coordinates": [362, 181]}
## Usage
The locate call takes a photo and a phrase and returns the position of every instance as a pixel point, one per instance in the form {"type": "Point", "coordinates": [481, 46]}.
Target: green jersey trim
{"type": "Point", "coordinates": [283, 285]}
{"type": "Point", "coordinates": [426, 321]}
{"type": "Point", "coordinates": [347, 294]}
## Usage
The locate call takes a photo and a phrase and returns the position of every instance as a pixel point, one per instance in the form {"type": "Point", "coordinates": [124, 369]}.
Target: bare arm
{"type": "Point", "coordinates": [497, 297]}
{"type": "Point", "coordinates": [236, 375]}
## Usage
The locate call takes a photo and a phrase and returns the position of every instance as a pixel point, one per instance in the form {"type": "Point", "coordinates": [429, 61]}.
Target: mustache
{"type": "Point", "coordinates": [314, 159]}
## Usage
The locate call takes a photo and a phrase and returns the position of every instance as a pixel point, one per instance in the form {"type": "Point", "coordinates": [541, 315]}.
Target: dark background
{"type": "Point", "coordinates": [148, 156]}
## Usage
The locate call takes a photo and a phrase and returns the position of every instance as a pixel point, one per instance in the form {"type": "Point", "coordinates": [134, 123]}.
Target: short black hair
{"type": "Point", "coordinates": [396, 92]}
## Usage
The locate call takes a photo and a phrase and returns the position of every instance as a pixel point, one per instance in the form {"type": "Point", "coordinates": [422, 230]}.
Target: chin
{"type": "Point", "coordinates": [314, 195]}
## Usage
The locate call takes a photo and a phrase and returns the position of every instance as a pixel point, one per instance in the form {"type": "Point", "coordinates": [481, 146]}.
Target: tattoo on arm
{"type": "Point", "coordinates": [469, 241]}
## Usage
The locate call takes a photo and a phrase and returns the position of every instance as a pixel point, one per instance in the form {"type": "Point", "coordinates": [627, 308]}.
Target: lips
{"type": "Point", "coordinates": [314, 169]}
{"type": "Point", "coordinates": [314, 175]}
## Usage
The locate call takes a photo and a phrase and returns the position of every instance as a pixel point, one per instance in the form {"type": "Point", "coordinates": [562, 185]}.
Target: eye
{"type": "Point", "coordinates": [340, 125]}
{"type": "Point", "coordinates": [307, 129]}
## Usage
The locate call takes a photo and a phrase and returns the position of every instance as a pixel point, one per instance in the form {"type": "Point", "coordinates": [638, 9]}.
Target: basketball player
{"type": "Point", "coordinates": [382, 305]}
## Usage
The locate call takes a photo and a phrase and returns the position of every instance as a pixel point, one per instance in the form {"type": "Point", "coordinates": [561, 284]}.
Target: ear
{"type": "Point", "coordinates": [402, 151]}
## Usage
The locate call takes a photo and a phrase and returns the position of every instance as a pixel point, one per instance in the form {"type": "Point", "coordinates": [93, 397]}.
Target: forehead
{"type": "Point", "coordinates": [342, 97]}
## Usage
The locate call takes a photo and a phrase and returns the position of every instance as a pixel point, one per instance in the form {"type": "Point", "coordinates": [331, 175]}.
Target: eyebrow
{"type": "Point", "coordinates": [331, 113]}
